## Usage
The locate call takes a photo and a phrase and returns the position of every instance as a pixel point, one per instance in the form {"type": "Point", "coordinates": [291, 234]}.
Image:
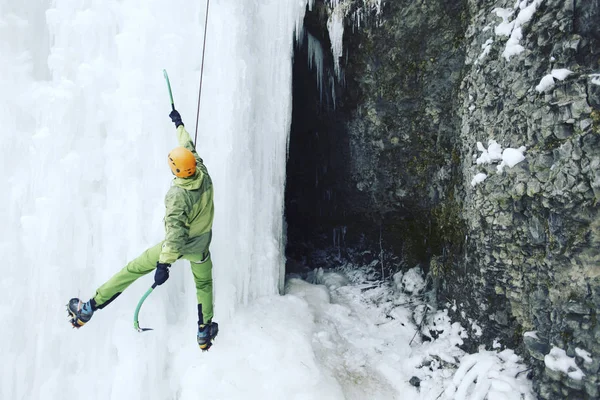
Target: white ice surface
{"type": "Point", "coordinates": [85, 128]}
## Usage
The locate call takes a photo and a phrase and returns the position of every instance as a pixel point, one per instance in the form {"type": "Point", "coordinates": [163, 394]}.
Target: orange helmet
{"type": "Point", "coordinates": [182, 162]}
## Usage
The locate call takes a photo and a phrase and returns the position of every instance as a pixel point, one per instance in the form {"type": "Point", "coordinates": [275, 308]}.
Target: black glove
{"type": "Point", "coordinates": [176, 118]}
{"type": "Point", "coordinates": [162, 273]}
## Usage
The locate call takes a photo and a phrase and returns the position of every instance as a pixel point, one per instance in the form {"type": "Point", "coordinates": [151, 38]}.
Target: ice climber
{"type": "Point", "coordinates": [188, 225]}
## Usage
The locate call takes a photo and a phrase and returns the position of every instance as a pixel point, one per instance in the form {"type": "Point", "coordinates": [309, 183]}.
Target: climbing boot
{"type": "Point", "coordinates": [206, 334]}
{"type": "Point", "coordinates": [79, 312]}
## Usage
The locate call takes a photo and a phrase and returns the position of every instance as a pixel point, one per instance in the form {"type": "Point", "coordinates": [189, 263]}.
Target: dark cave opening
{"type": "Point", "coordinates": [340, 187]}
{"type": "Point", "coordinates": [314, 158]}
{"type": "Point", "coordinates": [325, 215]}
{"type": "Point", "coordinates": [324, 212]}
{"type": "Point", "coordinates": [304, 161]}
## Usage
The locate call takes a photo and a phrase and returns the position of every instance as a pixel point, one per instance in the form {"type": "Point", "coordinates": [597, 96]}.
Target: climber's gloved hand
{"type": "Point", "coordinates": [162, 273]}
{"type": "Point", "coordinates": [176, 118]}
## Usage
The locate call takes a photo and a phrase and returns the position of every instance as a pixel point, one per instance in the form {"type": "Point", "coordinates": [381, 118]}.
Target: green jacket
{"type": "Point", "coordinates": [189, 210]}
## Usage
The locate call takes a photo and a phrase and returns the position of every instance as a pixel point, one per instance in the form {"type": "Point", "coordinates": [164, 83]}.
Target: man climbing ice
{"type": "Point", "coordinates": [188, 225]}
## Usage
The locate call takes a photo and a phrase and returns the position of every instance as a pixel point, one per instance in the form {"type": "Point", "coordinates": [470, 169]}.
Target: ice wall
{"type": "Point", "coordinates": [85, 131]}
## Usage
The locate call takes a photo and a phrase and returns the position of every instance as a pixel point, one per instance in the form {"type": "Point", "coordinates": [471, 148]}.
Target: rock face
{"type": "Point", "coordinates": [533, 231]}
{"type": "Point", "coordinates": [424, 82]}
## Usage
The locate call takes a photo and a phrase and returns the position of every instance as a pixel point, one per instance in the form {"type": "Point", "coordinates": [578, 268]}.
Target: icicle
{"type": "Point", "coordinates": [315, 60]}
{"type": "Point", "coordinates": [335, 26]}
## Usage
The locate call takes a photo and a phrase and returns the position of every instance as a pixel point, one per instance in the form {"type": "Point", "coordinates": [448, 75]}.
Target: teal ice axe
{"type": "Point", "coordinates": [136, 322]}
{"type": "Point", "coordinates": [169, 86]}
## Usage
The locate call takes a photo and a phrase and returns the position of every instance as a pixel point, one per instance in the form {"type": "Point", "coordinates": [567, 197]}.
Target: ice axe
{"type": "Point", "coordinates": [136, 322]}
{"type": "Point", "coordinates": [169, 86]}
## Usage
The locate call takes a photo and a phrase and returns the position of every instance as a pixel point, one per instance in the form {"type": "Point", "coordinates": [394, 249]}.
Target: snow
{"type": "Point", "coordinates": [506, 26]}
{"type": "Point", "coordinates": [531, 334]}
{"type": "Point", "coordinates": [494, 153]}
{"type": "Point", "coordinates": [587, 357]}
{"type": "Point", "coordinates": [488, 375]}
{"type": "Point", "coordinates": [476, 328]}
{"type": "Point", "coordinates": [513, 47]}
{"type": "Point", "coordinates": [595, 79]}
{"type": "Point", "coordinates": [513, 28]}
{"type": "Point", "coordinates": [491, 154]}
{"type": "Point", "coordinates": [547, 82]}
{"type": "Point", "coordinates": [480, 177]}
{"type": "Point", "coordinates": [325, 341]}
{"type": "Point", "coordinates": [85, 134]}
{"type": "Point", "coordinates": [362, 335]}
{"type": "Point", "coordinates": [557, 360]}
{"type": "Point", "coordinates": [410, 282]}
{"type": "Point", "coordinates": [561, 73]}
{"type": "Point", "coordinates": [486, 47]}
{"type": "Point", "coordinates": [511, 157]}
{"type": "Point", "coordinates": [266, 352]}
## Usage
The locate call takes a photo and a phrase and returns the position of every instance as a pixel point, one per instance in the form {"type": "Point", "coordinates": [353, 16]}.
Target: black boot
{"type": "Point", "coordinates": [80, 313]}
{"type": "Point", "coordinates": [206, 334]}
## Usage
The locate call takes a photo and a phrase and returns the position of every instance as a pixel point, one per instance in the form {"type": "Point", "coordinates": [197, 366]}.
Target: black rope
{"type": "Point", "coordinates": [201, 74]}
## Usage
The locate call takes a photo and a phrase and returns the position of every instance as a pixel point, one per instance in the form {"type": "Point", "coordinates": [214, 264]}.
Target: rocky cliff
{"type": "Point", "coordinates": [510, 227]}
{"type": "Point", "coordinates": [533, 230]}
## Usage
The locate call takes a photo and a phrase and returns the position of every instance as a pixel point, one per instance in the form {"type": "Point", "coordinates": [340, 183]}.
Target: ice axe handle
{"type": "Point", "coordinates": [136, 322]}
{"type": "Point", "coordinates": [169, 86]}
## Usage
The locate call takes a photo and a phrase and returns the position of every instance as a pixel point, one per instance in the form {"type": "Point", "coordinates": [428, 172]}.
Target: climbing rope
{"type": "Point", "coordinates": [201, 74]}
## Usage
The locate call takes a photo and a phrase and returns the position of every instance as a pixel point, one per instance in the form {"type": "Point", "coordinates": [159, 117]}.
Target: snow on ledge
{"type": "Point", "coordinates": [508, 157]}
{"type": "Point", "coordinates": [513, 29]}
{"type": "Point", "coordinates": [480, 177]}
{"type": "Point", "coordinates": [491, 154]}
{"type": "Point", "coordinates": [557, 360]}
{"type": "Point", "coordinates": [547, 82]}
{"type": "Point", "coordinates": [486, 47]}
{"type": "Point", "coordinates": [494, 153]}
{"type": "Point", "coordinates": [587, 357]}
{"type": "Point", "coordinates": [531, 334]}
{"type": "Point", "coordinates": [511, 157]}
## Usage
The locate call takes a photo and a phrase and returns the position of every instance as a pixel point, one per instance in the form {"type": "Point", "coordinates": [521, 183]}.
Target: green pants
{"type": "Point", "coordinates": [145, 263]}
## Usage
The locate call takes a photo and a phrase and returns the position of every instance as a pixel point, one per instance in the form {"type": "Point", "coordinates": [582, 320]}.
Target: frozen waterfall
{"type": "Point", "coordinates": [85, 128]}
